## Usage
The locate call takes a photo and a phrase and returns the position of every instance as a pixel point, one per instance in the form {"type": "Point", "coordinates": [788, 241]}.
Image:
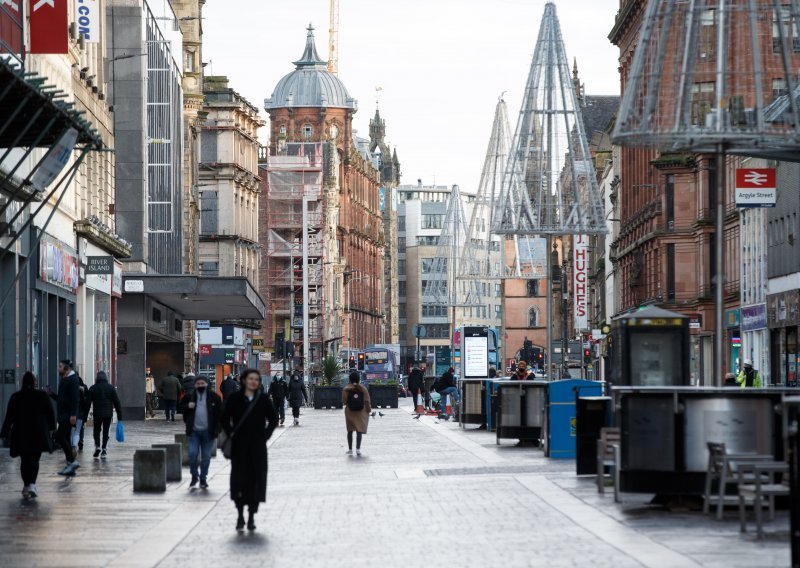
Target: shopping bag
{"type": "Point", "coordinates": [75, 433]}
{"type": "Point", "coordinates": [120, 432]}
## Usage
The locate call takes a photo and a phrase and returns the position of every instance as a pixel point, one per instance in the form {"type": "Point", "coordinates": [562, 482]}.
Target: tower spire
{"type": "Point", "coordinates": [310, 57]}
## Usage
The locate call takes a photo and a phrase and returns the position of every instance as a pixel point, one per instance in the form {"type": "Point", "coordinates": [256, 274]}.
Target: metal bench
{"type": "Point", "coordinates": [722, 468]}
{"type": "Point", "coordinates": [608, 456]}
{"type": "Point", "coordinates": [763, 489]}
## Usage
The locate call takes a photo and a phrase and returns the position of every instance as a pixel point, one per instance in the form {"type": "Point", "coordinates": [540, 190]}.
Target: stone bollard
{"type": "Point", "coordinates": [183, 440]}
{"type": "Point", "coordinates": [150, 470]}
{"type": "Point", "coordinates": [174, 461]}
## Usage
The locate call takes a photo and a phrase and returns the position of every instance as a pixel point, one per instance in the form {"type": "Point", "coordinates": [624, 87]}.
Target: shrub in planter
{"type": "Point", "coordinates": [383, 394]}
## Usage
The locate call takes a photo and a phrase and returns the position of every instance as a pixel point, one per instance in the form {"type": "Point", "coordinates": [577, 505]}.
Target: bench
{"type": "Point", "coordinates": [722, 468]}
{"type": "Point", "coordinates": [762, 489]}
{"type": "Point", "coordinates": [608, 456]}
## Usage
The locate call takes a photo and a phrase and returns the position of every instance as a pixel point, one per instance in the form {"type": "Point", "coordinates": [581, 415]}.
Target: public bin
{"type": "Point", "coordinates": [492, 403]}
{"type": "Point", "coordinates": [473, 401]}
{"type": "Point", "coordinates": [520, 409]}
{"type": "Point", "coordinates": [593, 414]}
{"type": "Point", "coordinates": [561, 414]}
{"type": "Point", "coordinates": [792, 426]}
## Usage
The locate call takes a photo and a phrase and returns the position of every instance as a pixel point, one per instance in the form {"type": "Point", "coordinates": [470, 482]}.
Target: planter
{"type": "Point", "coordinates": [383, 396]}
{"type": "Point", "coordinates": [327, 397]}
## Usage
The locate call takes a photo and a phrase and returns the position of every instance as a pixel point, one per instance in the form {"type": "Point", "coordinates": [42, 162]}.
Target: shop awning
{"type": "Point", "coordinates": [199, 297]}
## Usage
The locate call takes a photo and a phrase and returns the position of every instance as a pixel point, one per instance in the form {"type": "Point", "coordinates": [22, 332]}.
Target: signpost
{"type": "Point", "coordinates": [756, 187]}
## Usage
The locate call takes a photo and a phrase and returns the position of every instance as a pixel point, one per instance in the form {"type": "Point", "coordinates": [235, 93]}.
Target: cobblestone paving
{"type": "Point", "coordinates": [423, 492]}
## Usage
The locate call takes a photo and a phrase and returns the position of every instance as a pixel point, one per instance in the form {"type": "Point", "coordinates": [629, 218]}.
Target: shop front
{"type": "Point", "coordinates": [755, 339]}
{"type": "Point", "coordinates": [783, 319]}
{"type": "Point", "coordinates": [733, 341]}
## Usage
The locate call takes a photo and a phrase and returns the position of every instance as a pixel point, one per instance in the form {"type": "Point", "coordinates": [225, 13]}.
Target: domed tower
{"type": "Point", "coordinates": [310, 104]}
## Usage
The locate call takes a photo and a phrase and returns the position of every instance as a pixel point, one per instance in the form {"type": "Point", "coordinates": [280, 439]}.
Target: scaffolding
{"type": "Point", "coordinates": [294, 263]}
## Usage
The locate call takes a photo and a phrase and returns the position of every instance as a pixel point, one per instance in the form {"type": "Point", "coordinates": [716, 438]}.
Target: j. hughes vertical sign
{"type": "Point", "coordinates": [580, 274]}
{"type": "Point", "coordinates": [49, 26]}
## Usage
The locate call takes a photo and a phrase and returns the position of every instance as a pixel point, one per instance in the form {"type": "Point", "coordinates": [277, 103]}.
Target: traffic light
{"type": "Point", "coordinates": [352, 362]}
{"type": "Point", "coordinates": [587, 355]}
{"type": "Point", "coordinates": [360, 361]}
{"type": "Point", "coordinates": [280, 343]}
{"type": "Point", "coordinates": [289, 349]}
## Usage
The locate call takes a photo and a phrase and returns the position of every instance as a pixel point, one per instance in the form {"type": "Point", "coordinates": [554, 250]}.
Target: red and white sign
{"type": "Point", "coordinates": [205, 350]}
{"type": "Point", "coordinates": [49, 26]}
{"type": "Point", "coordinates": [580, 276]}
{"type": "Point", "coordinates": [756, 187]}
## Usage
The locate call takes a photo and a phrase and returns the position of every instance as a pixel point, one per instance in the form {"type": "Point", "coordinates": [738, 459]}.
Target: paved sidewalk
{"type": "Point", "coordinates": [423, 492]}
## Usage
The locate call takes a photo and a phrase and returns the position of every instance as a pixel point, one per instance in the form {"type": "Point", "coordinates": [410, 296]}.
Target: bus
{"type": "Point", "coordinates": [381, 364]}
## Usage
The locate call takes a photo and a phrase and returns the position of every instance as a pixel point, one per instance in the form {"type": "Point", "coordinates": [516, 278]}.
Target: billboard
{"type": "Point", "coordinates": [49, 24]}
{"type": "Point", "coordinates": [580, 275]}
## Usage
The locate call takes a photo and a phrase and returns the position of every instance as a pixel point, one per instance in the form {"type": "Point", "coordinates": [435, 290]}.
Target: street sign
{"type": "Point", "coordinates": [203, 324]}
{"type": "Point", "coordinates": [756, 187]}
{"type": "Point", "coordinates": [420, 331]}
{"type": "Point", "coordinates": [263, 356]}
{"type": "Point", "coordinates": [205, 350]}
{"type": "Point", "coordinates": [100, 265]}
{"type": "Point", "coordinates": [134, 285]}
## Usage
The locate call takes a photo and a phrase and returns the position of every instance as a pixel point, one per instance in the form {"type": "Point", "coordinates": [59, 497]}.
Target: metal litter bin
{"type": "Point", "coordinates": [593, 414]}
{"type": "Point", "coordinates": [473, 401]}
{"type": "Point", "coordinates": [520, 409]}
{"type": "Point", "coordinates": [491, 404]}
{"type": "Point", "coordinates": [562, 415]}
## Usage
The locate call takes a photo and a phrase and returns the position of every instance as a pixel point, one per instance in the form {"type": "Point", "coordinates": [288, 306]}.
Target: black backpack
{"type": "Point", "coordinates": [355, 400]}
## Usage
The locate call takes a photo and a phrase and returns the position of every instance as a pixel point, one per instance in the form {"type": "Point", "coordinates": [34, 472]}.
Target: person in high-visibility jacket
{"type": "Point", "coordinates": [748, 376]}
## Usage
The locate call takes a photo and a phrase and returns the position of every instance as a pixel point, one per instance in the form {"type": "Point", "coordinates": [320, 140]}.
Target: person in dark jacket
{"type": "Point", "coordinates": [446, 386]}
{"type": "Point", "coordinates": [202, 410]}
{"type": "Point", "coordinates": [297, 395]}
{"type": "Point", "coordinates": [278, 391]}
{"type": "Point", "coordinates": [104, 398]}
{"type": "Point", "coordinates": [171, 390]}
{"type": "Point", "coordinates": [85, 404]}
{"type": "Point", "coordinates": [68, 411]}
{"type": "Point", "coordinates": [249, 463]}
{"type": "Point", "coordinates": [28, 425]}
{"type": "Point", "coordinates": [416, 383]}
{"type": "Point", "coordinates": [228, 387]}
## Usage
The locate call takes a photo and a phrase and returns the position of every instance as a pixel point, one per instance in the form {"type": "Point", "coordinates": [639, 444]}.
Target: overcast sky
{"type": "Point", "coordinates": [441, 64]}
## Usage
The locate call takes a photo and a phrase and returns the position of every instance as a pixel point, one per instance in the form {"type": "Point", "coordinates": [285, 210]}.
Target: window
{"type": "Point", "coordinates": [497, 313]}
{"type": "Point", "coordinates": [669, 196]}
{"type": "Point", "coordinates": [533, 288]}
{"type": "Point", "coordinates": [189, 62]}
{"type": "Point", "coordinates": [707, 41]}
{"type": "Point", "coordinates": [401, 267]}
{"type": "Point", "coordinates": [427, 265]}
{"type": "Point", "coordinates": [779, 88]}
{"type": "Point", "coordinates": [702, 102]}
{"type": "Point", "coordinates": [671, 271]}
{"type": "Point", "coordinates": [401, 223]}
{"type": "Point", "coordinates": [432, 221]}
{"type": "Point", "coordinates": [308, 132]}
{"type": "Point", "coordinates": [533, 317]}
{"type": "Point", "coordinates": [401, 288]}
{"type": "Point", "coordinates": [431, 311]}
{"type": "Point", "coordinates": [427, 241]}
{"type": "Point", "coordinates": [282, 130]}
{"type": "Point", "coordinates": [497, 290]}
{"type": "Point", "coordinates": [208, 213]}
{"type": "Point", "coordinates": [401, 243]}
{"type": "Point", "coordinates": [790, 30]}
{"type": "Point", "coordinates": [438, 331]}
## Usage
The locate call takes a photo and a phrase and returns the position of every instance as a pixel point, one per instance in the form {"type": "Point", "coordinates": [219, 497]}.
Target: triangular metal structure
{"type": "Point", "coordinates": [711, 73]}
{"type": "Point", "coordinates": [443, 288]}
{"type": "Point", "coordinates": [550, 185]}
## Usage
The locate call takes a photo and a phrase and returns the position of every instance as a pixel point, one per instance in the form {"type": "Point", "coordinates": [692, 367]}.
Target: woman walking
{"type": "Point", "coordinates": [298, 395]}
{"type": "Point", "coordinates": [249, 418]}
{"type": "Point", "coordinates": [104, 398]}
{"type": "Point", "coordinates": [355, 398]}
{"type": "Point", "coordinates": [29, 422]}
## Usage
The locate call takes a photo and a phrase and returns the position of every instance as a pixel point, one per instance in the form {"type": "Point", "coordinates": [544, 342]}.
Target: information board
{"type": "Point", "coordinates": [476, 352]}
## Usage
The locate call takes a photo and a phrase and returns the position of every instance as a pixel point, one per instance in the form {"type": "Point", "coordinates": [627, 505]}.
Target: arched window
{"type": "Point", "coordinates": [533, 317]}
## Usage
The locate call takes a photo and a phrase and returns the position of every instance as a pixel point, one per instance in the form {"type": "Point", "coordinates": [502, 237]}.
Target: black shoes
{"type": "Point", "coordinates": [240, 524]}
{"type": "Point", "coordinates": [251, 523]}
{"type": "Point", "coordinates": [193, 483]}
{"type": "Point", "coordinates": [203, 483]}
{"type": "Point", "coordinates": [96, 454]}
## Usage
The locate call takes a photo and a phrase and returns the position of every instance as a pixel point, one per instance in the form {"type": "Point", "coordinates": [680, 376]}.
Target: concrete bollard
{"type": "Point", "coordinates": [174, 460]}
{"type": "Point", "coordinates": [150, 470]}
{"type": "Point", "coordinates": [183, 440]}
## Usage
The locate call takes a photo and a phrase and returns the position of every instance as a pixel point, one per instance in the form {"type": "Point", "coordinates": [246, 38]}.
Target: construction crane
{"type": "Point", "coordinates": [333, 39]}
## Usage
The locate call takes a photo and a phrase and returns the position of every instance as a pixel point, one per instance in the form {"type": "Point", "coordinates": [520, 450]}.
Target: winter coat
{"type": "Point", "coordinates": [249, 461]}
{"type": "Point", "coordinates": [213, 406]}
{"type": "Point", "coordinates": [278, 390]}
{"type": "Point", "coordinates": [170, 387]}
{"type": "Point", "coordinates": [103, 396]}
{"type": "Point", "coordinates": [356, 420]}
{"type": "Point", "coordinates": [416, 382]}
{"type": "Point", "coordinates": [298, 394]}
{"type": "Point", "coordinates": [85, 404]}
{"type": "Point", "coordinates": [228, 387]}
{"type": "Point", "coordinates": [29, 421]}
{"type": "Point", "coordinates": [68, 399]}
{"type": "Point", "coordinates": [447, 380]}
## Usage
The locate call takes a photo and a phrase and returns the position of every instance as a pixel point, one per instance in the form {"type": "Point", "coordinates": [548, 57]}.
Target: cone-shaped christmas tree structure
{"type": "Point", "coordinates": [707, 73]}
{"type": "Point", "coordinates": [443, 287]}
{"type": "Point", "coordinates": [549, 184]}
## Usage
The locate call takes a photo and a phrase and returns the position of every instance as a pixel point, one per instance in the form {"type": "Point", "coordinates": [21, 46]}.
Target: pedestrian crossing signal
{"type": "Point", "coordinates": [352, 362]}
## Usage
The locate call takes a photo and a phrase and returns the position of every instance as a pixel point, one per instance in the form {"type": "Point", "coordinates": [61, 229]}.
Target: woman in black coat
{"type": "Point", "coordinates": [249, 451]}
{"type": "Point", "coordinates": [103, 396]}
{"type": "Point", "coordinates": [29, 422]}
{"type": "Point", "coordinates": [297, 395]}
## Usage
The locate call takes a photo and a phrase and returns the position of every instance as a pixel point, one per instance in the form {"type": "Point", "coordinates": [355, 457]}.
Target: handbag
{"type": "Point", "coordinates": [227, 445]}
{"type": "Point", "coordinates": [120, 432]}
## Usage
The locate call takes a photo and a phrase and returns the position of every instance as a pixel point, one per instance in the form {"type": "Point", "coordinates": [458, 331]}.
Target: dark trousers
{"type": "Point", "coordinates": [63, 435]}
{"type": "Point", "coordinates": [148, 404]}
{"type": "Point", "coordinates": [279, 409]}
{"type": "Point", "coordinates": [350, 440]}
{"type": "Point", "coordinates": [106, 424]}
{"type": "Point", "coordinates": [296, 411]}
{"type": "Point", "coordinates": [29, 467]}
{"type": "Point", "coordinates": [169, 408]}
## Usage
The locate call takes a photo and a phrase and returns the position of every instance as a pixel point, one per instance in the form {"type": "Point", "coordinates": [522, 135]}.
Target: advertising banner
{"type": "Point", "coordinates": [580, 276]}
{"type": "Point", "coordinates": [49, 23]}
{"type": "Point", "coordinates": [58, 265]}
{"type": "Point", "coordinates": [11, 27]}
{"type": "Point", "coordinates": [87, 15]}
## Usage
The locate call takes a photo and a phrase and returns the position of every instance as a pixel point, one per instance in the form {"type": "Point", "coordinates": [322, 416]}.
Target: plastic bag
{"type": "Point", "coordinates": [120, 432]}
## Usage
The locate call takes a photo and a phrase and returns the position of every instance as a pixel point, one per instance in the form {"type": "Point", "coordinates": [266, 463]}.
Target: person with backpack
{"type": "Point", "coordinates": [278, 390]}
{"type": "Point", "coordinates": [297, 395]}
{"type": "Point", "coordinates": [104, 398]}
{"type": "Point", "coordinates": [355, 398]}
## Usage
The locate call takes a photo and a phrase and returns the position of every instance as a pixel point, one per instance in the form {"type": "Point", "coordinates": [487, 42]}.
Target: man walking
{"type": "Point", "coordinates": [228, 387]}
{"type": "Point", "coordinates": [68, 400]}
{"type": "Point", "coordinates": [278, 391]}
{"type": "Point", "coordinates": [748, 376]}
{"type": "Point", "coordinates": [105, 400]}
{"type": "Point", "coordinates": [202, 410]}
{"type": "Point", "coordinates": [170, 390]}
{"type": "Point", "coordinates": [149, 390]}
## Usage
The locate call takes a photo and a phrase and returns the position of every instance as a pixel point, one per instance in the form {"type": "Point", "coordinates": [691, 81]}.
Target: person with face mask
{"type": "Point", "coordinates": [522, 372]}
{"type": "Point", "coordinates": [202, 411]}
